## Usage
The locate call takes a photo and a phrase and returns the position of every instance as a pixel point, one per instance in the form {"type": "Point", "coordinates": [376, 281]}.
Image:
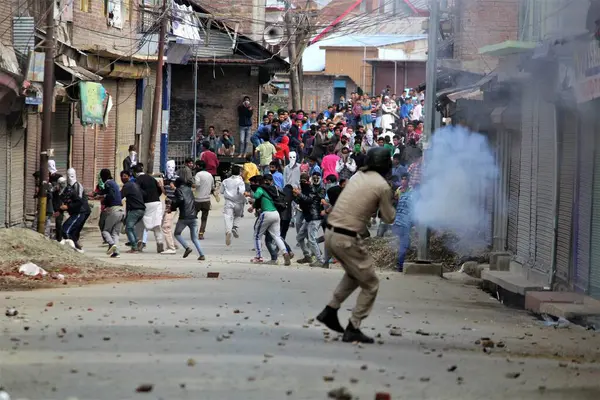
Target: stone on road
{"type": "Point", "coordinates": [156, 339]}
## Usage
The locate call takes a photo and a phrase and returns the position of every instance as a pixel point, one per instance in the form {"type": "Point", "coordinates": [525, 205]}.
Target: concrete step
{"type": "Point", "coordinates": [569, 305]}
{"type": "Point", "coordinates": [511, 281]}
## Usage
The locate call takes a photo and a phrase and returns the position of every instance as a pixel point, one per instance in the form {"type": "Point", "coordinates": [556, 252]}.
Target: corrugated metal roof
{"type": "Point", "coordinates": [23, 34]}
{"type": "Point", "coordinates": [368, 40]}
{"type": "Point", "coordinates": [8, 60]}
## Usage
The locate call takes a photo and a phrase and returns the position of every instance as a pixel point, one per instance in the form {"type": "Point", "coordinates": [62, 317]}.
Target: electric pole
{"type": "Point", "coordinates": [292, 50]}
{"type": "Point", "coordinates": [158, 88]}
{"type": "Point", "coordinates": [430, 101]}
{"type": "Point", "coordinates": [48, 99]}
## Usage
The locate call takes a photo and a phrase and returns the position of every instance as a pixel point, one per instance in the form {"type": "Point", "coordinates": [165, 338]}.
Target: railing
{"type": "Point", "coordinates": [179, 151]}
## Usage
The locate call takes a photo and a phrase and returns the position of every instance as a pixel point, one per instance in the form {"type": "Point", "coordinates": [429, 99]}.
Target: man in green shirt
{"type": "Point", "coordinates": [266, 151]}
{"type": "Point", "coordinates": [268, 220]}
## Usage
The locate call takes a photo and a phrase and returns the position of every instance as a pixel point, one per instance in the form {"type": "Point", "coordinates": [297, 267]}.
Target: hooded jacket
{"type": "Point", "coordinates": [310, 202]}
{"type": "Point", "coordinates": [184, 201]}
{"type": "Point", "coordinates": [74, 196]}
{"type": "Point", "coordinates": [170, 176]}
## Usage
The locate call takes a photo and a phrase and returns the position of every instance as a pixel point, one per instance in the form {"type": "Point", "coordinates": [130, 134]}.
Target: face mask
{"type": "Point", "coordinates": [292, 158]}
{"type": "Point", "coordinates": [253, 187]}
{"type": "Point", "coordinates": [316, 181]}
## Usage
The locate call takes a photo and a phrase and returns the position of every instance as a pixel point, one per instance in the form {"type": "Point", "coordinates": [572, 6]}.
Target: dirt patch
{"type": "Point", "coordinates": [64, 266]}
{"type": "Point", "coordinates": [444, 248]}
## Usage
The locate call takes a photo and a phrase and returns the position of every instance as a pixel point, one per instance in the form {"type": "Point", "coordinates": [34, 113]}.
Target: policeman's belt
{"type": "Point", "coordinates": [342, 231]}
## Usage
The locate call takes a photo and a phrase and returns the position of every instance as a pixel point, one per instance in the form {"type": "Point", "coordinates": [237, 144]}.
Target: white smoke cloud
{"type": "Point", "coordinates": [458, 170]}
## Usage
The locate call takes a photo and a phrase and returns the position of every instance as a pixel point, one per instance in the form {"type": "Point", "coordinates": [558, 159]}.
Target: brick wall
{"type": "Point", "coordinates": [125, 114]}
{"type": "Point", "coordinates": [219, 95]}
{"type": "Point", "coordinates": [233, 11]}
{"type": "Point", "coordinates": [318, 92]}
{"type": "Point", "coordinates": [481, 23]}
{"type": "Point", "coordinates": [6, 21]}
{"type": "Point", "coordinates": [90, 27]}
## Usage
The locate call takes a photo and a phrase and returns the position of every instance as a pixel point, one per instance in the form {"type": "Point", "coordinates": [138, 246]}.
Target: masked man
{"type": "Point", "coordinates": [291, 172]}
{"type": "Point", "coordinates": [347, 223]}
{"type": "Point", "coordinates": [76, 204]}
{"type": "Point", "coordinates": [310, 197]}
{"type": "Point", "coordinates": [233, 189]}
{"type": "Point", "coordinates": [170, 212]}
{"type": "Point", "coordinates": [131, 160]}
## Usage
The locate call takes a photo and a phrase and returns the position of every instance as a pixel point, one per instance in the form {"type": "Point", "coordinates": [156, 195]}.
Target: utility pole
{"type": "Point", "coordinates": [48, 105]}
{"type": "Point", "coordinates": [158, 89]}
{"type": "Point", "coordinates": [294, 79]}
{"type": "Point", "coordinates": [430, 100]}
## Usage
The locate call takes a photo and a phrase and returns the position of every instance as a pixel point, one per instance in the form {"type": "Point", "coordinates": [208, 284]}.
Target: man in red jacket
{"type": "Point", "coordinates": [209, 158]}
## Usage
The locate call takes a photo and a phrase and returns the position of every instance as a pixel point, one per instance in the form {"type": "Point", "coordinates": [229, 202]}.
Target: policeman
{"type": "Point", "coordinates": [363, 195]}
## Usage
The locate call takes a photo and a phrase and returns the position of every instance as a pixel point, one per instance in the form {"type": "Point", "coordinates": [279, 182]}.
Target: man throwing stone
{"type": "Point", "coordinates": [367, 192]}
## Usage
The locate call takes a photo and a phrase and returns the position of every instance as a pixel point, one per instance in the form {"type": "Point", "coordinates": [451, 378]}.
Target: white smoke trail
{"type": "Point", "coordinates": [457, 169]}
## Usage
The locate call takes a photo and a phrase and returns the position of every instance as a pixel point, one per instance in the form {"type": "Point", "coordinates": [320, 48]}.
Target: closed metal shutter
{"type": "Point", "coordinates": [32, 158]}
{"type": "Point", "coordinates": [60, 136]}
{"type": "Point", "coordinates": [126, 112]}
{"type": "Point", "coordinates": [17, 177]}
{"type": "Point", "coordinates": [513, 190]}
{"type": "Point", "coordinates": [594, 269]}
{"type": "Point", "coordinates": [546, 182]}
{"type": "Point", "coordinates": [584, 202]}
{"type": "Point", "coordinates": [4, 145]}
{"type": "Point", "coordinates": [105, 136]}
{"type": "Point", "coordinates": [567, 167]}
{"type": "Point", "coordinates": [526, 179]}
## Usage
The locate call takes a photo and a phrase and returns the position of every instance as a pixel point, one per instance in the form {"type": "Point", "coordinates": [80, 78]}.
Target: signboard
{"type": "Point", "coordinates": [35, 69]}
{"type": "Point", "coordinates": [92, 95]}
{"type": "Point", "coordinates": [185, 23]}
{"type": "Point", "coordinates": [587, 71]}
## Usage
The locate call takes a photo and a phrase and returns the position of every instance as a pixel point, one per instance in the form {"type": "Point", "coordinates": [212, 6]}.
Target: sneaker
{"type": "Point", "coordinates": [352, 334]}
{"type": "Point", "coordinates": [305, 260]}
{"type": "Point", "coordinates": [329, 318]}
{"type": "Point", "coordinates": [115, 255]}
{"type": "Point", "coordinates": [128, 244]}
{"type": "Point", "coordinates": [201, 236]}
{"type": "Point", "coordinates": [132, 251]}
{"type": "Point", "coordinates": [140, 245]}
{"type": "Point", "coordinates": [287, 259]}
{"type": "Point", "coordinates": [188, 251]}
{"type": "Point", "coordinates": [70, 243]}
{"type": "Point", "coordinates": [272, 262]}
{"type": "Point", "coordinates": [160, 248]}
{"type": "Point", "coordinates": [169, 251]}
{"type": "Point", "coordinates": [291, 255]}
{"type": "Point", "coordinates": [201, 258]}
{"type": "Point", "coordinates": [257, 260]}
{"type": "Point", "coordinates": [111, 249]}
{"type": "Point", "coordinates": [62, 242]}
{"type": "Point", "coordinates": [228, 239]}
{"type": "Point", "coordinates": [235, 232]}
{"type": "Point", "coordinates": [319, 264]}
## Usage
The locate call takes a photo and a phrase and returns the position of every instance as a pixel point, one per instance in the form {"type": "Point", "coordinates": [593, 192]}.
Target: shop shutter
{"type": "Point", "coordinates": [105, 136]}
{"type": "Point", "coordinates": [513, 190]}
{"type": "Point", "coordinates": [60, 136]}
{"type": "Point", "coordinates": [567, 167]}
{"type": "Point", "coordinates": [594, 268]}
{"type": "Point", "coordinates": [32, 148]}
{"type": "Point", "coordinates": [546, 182]}
{"type": "Point", "coordinates": [584, 202]}
{"type": "Point", "coordinates": [4, 145]}
{"type": "Point", "coordinates": [16, 178]}
{"type": "Point", "coordinates": [126, 112]}
{"type": "Point", "coordinates": [525, 220]}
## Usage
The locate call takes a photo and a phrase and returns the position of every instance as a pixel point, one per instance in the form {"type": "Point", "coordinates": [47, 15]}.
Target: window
{"type": "Point", "coordinates": [86, 5]}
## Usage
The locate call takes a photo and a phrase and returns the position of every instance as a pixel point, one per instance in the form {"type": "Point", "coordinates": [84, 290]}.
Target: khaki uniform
{"type": "Point", "coordinates": [363, 195]}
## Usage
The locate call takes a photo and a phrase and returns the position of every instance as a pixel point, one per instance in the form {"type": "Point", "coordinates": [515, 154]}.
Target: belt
{"type": "Point", "coordinates": [342, 231]}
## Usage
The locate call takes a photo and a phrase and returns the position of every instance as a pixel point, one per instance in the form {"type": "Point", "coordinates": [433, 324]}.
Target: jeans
{"type": "Point", "coordinates": [403, 234]}
{"type": "Point", "coordinates": [310, 231]}
{"type": "Point", "coordinates": [191, 223]}
{"type": "Point", "coordinates": [272, 246]}
{"type": "Point", "coordinates": [202, 207]}
{"type": "Point", "coordinates": [113, 220]}
{"type": "Point", "coordinates": [132, 218]}
{"type": "Point", "coordinates": [382, 229]}
{"type": "Point", "coordinates": [245, 134]}
{"type": "Point", "coordinates": [268, 221]}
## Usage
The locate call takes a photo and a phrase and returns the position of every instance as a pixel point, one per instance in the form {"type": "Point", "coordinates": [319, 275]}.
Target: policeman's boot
{"type": "Point", "coordinates": [329, 318]}
{"type": "Point", "coordinates": [352, 334]}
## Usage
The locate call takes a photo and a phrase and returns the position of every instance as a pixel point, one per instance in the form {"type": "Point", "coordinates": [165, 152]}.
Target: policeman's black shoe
{"type": "Point", "coordinates": [352, 334]}
{"type": "Point", "coordinates": [329, 318]}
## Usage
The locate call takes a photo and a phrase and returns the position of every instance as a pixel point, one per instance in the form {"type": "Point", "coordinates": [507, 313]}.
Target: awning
{"type": "Point", "coordinates": [470, 92]}
{"type": "Point", "coordinates": [119, 55]}
{"type": "Point", "coordinates": [129, 71]}
{"type": "Point", "coordinates": [70, 65]}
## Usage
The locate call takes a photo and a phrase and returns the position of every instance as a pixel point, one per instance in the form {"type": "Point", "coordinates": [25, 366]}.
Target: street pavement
{"type": "Point", "coordinates": [250, 334]}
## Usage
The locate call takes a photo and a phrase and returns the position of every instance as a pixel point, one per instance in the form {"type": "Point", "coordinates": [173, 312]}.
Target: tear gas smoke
{"type": "Point", "coordinates": [459, 171]}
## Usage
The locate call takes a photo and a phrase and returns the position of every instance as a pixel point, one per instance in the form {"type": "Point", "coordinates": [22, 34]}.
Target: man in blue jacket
{"type": "Point", "coordinates": [404, 219]}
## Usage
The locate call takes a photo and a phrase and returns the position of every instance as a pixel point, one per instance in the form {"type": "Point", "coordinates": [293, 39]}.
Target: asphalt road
{"type": "Point", "coordinates": [250, 335]}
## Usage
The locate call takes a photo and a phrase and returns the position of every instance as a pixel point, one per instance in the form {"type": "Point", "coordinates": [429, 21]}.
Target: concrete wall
{"type": "Point", "coordinates": [220, 91]}
{"type": "Point", "coordinates": [318, 92]}
{"type": "Point", "coordinates": [384, 75]}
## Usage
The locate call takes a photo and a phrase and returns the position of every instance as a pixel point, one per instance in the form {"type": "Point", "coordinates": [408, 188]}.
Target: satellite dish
{"type": "Point", "coordinates": [273, 35]}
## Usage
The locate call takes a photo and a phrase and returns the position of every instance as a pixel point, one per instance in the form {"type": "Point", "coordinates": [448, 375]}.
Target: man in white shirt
{"type": "Point", "coordinates": [233, 189]}
{"type": "Point", "coordinates": [291, 172]}
{"type": "Point", "coordinates": [204, 184]}
{"type": "Point", "coordinates": [417, 112]}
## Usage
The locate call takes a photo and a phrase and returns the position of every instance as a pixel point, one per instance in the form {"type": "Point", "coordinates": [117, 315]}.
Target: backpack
{"type": "Point", "coordinates": [276, 197]}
